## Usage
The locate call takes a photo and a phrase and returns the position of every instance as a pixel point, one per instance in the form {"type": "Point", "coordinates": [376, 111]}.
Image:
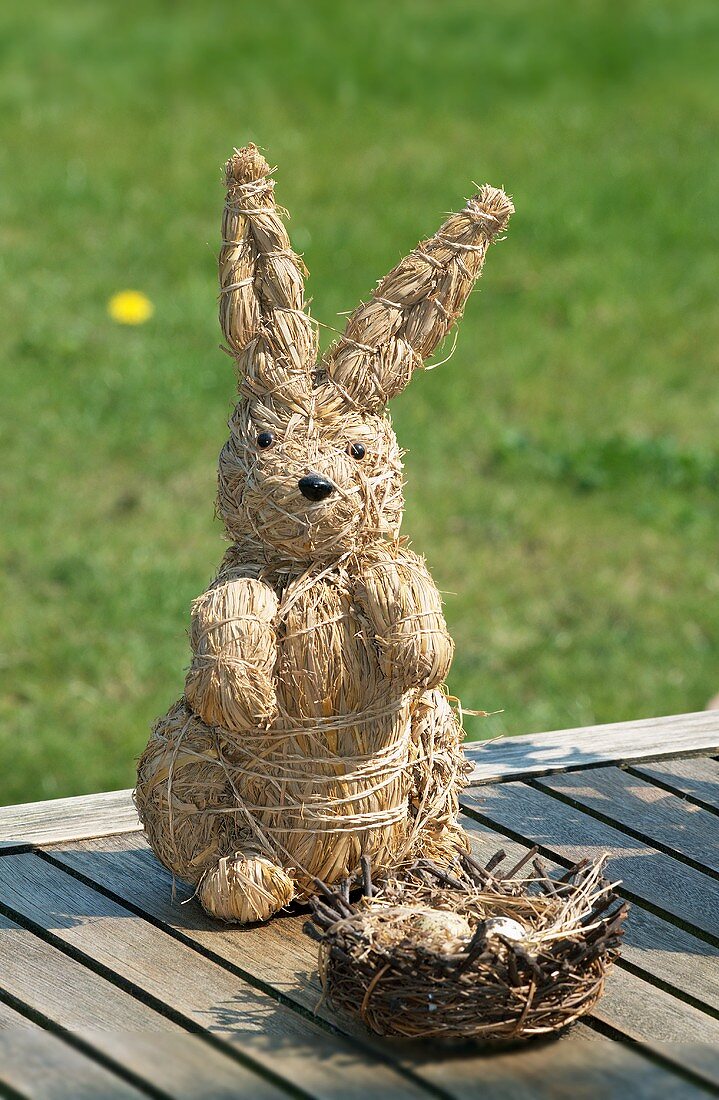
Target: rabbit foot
{"type": "Point", "coordinates": [244, 888]}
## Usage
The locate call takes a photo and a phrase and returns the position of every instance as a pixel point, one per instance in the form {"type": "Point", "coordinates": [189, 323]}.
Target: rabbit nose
{"type": "Point", "coordinates": [315, 487]}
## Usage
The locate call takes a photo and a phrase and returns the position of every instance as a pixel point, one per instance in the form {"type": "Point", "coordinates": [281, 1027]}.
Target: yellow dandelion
{"type": "Point", "coordinates": [130, 307]}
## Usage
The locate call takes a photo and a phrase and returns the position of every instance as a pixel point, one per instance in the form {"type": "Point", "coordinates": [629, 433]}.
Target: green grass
{"type": "Point", "coordinates": [563, 465]}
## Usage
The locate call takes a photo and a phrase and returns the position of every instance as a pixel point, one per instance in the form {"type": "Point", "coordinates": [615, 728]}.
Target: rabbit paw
{"type": "Point", "coordinates": [244, 888]}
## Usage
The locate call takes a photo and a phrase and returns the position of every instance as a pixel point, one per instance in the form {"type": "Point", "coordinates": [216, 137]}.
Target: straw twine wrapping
{"type": "Point", "coordinates": [471, 954]}
{"type": "Point", "coordinates": [314, 728]}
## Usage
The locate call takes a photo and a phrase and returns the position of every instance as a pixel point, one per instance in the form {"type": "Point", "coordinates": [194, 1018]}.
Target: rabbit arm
{"type": "Point", "coordinates": [404, 607]}
{"type": "Point", "coordinates": [413, 308]}
{"type": "Point", "coordinates": [234, 650]}
{"type": "Point", "coordinates": [264, 320]}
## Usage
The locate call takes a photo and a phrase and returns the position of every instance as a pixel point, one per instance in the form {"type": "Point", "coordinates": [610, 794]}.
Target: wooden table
{"type": "Point", "coordinates": [110, 987]}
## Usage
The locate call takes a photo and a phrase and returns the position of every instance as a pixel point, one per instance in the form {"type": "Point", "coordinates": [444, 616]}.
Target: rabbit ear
{"type": "Point", "coordinates": [266, 325]}
{"type": "Point", "coordinates": [414, 307]}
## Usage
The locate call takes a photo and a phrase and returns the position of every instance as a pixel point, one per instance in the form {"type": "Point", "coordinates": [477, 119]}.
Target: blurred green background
{"type": "Point", "coordinates": [563, 465]}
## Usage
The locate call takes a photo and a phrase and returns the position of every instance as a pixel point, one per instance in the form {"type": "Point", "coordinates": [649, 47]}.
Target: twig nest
{"type": "Point", "coordinates": [469, 954]}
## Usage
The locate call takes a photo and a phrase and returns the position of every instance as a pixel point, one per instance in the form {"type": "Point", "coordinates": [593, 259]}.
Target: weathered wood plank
{"type": "Point", "coordinates": [66, 819]}
{"type": "Point", "coordinates": [540, 1072]}
{"type": "Point", "coordinates": [677, 892]}
{"type": "Point", "coordinates": [278, 953]}
{"type": "Point", "coordinates": [75, 998]}
{"type": "Point", "coordinates": [10, 1020]}
{"type": "Point", "coordinates": [574, 1070]}
{"type": "Point", "coordinates": [631, 1005]}
{"type": "Point", "coordinates": [660, 950]}
{"type": "Point", "coordinates": [694, 776]}
{"type": "Point", "coordinates": [560, 750]}
{"type": "Point", "coordinates": [192, 988]}
{"type": "Point", "coordinates": [40, 1066]}
{"type": "Point", "coordinates": [649, 812]}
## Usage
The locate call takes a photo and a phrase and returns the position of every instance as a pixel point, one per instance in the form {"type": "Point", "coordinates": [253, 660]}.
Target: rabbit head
{"type": "Point", "coordinates": [312, 469]}
{"type": "Point", "coordinates": [306, 485]}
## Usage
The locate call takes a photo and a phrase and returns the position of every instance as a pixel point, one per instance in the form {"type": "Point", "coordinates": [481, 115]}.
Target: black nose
{"type": "Point", "coordinates": [315, 487]}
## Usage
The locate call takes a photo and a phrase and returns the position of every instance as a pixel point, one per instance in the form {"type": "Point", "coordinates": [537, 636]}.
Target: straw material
{"type": "Point", "coordinates": [314, 728]}
{"type": "Point", "coordinates": [232, 635]}
{"type": "Point", "coordinates": [245, 889]}
{"type": "Point", "coordinates": [258, 498]}
{"type": "Point", "coordinates": [262, 288]}
{"type": "Point", "coordinates": [414, 307]}
{"type": "Point", "coordinates": [470, 954]}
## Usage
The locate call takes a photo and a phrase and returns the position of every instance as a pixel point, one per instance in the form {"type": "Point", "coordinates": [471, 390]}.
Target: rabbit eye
{"type": "Point", "coordinates": [265, 440]}
{"type": "Point", "coordinates": [356, 450]}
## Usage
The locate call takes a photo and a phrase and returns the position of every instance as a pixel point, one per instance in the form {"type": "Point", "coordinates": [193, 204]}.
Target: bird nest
{"type": "Point", "coordinates": [472, 954]}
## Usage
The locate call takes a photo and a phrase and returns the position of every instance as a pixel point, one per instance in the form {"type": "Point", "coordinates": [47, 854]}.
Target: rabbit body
{"type": "Point", "coordinates": [314, 728]}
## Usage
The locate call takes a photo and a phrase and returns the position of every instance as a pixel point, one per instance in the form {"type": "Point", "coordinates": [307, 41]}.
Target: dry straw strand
{"type": "Point", "coordinates": [314, 731]}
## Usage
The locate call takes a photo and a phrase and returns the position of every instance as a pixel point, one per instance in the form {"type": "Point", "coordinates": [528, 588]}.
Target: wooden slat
{"type": "Point", "coordinates": [631, 1005]}
{"type": "Point", "coordinates": [574, 1070]}
{"type": "Point", "coordinates": [592, 1070]}
{"type": "Point", "coordinates": [190, 986]}
{"type": "Point", "coordinates": [541, 753]}
{"type": "Point", "coordinates": [67, 819]}
{"type": "Point", "coordinates": [647, 811]}
{"type": "Point", "coordinates": [694, 776]}
{"type": "Point", "coordinates": [539, 1072]}
{"type": "Point", "coordinates": [676, 891]}
{"type": "Point", "coordinates": [69, 995]}
{"type": "Point", "coordinates": [10, 1019]}
{"type": "Point", "coordinates": [278, 953]}
{"type": "Point", "coordinates": [40, 1066]}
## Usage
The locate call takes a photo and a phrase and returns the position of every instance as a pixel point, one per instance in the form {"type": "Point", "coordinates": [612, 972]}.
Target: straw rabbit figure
{"type": "Point", "coordinates": [314, 728]}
